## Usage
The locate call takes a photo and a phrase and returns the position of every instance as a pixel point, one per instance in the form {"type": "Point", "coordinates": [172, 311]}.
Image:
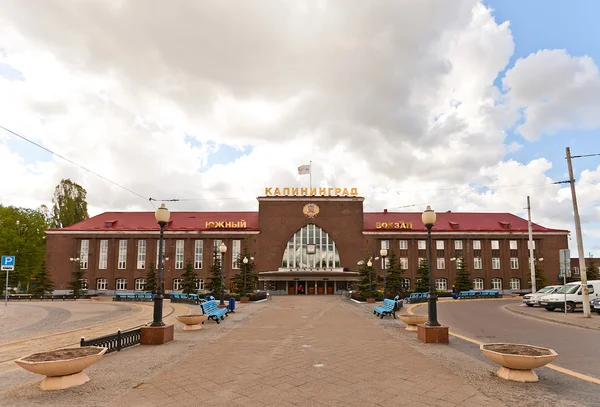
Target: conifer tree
{"type": "Point", "coordinates": [463, 280]}
{"type": "Point", "coordinates": [42, 282]}
{"type": "Point", "coordinates": [591, 270]}
{"type": "Point", "coordinates": [395, 275]}
{"type": "Point", "coordinates": [76, 283]}
{"type": "Point", "coordinates": [540, 279]}
{"type": "Point", "coordinates": [247, 271]}
{"type": "Point", "coordinates": [214, 281]}
{"type": "Point", "coordinates": [150, 283]}
{"type": "Point", "coordinates": [367, 279]}
{"type": "Point", "coordinates": [189, 279]}
{"type": "Point", "coordinates": [422, 277]}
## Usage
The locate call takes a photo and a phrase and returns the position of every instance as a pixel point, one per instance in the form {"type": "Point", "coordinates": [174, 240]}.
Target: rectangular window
{"type": "Point", "coordinates": [495, 245]}
{"type": "Point", "coordinates": [404, 263]}
{"type": "Point", "coordinates": [101, 284]}
{"type": "Point", "coordinates": [198, 254]}
{"type": "Point", "coordinates": [514, 263]}
{"type": "Point", "coordinates": [84, 253]}
{"type": "Point", "coordinates": [177, 284]}
{"type": "Point", "coordinates": [421, 245]}
{"type": "Point", "coordinates": [121, 284]}
{"type": "Point", "coordinates": [122, 254]}
{"type": "Point", "coordinates": [496, 263]}
{"type": "Point", "coordinates": [478, 284]}
{"type": "Point", "coordinates": [441, 284]}
{"type": "Point", "coordinates": [439, 244]}
{"type": "Point", "coordinates": [163, 251]}
{"type": "Point", "coordinates": [236, 250]}
{"type": "Point", "coordinates": [403, 244]}
{"type": "Point", "coordinates": [385, 244]}
{"type": "Point", "coordinates": [441, 263]}
{"type": "Point", "coordinates": [103, 258]}
{"type": "Point", "coordinates": [515, 284]}
{"type": "Point", "coordinates": [421, 260]}
{"type": "Point", "coordinates": [477, 263]}
{"type": "Point", "coordinates": [140, 284]}
{"type": "Point", "coordinates": [179, 254]}
{"type": "Point", "coordinates": [529, 244]}
{"type": "Point", "coordinates": [458, 245]}
{"type": "Point", "coordinates": [513, 245]}
{"type": "Point", "coordinates": [141, 257]}
{"type": "Point", "coordinates": [216, 246]}
{"type": "Point", "coordinates": [200, 284]}
{"type": "Point", "coordinates": [476, 244]}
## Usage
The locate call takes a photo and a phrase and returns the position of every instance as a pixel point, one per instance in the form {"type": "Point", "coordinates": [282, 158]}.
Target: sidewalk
{"type": "Point", "coordinates": [573, 319]}
{"type": "Point", "coordinates": [306, 352]}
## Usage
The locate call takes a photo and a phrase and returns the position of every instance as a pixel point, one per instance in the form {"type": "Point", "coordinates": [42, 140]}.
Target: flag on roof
{"type": "Point", "coordinates": [304, 169]}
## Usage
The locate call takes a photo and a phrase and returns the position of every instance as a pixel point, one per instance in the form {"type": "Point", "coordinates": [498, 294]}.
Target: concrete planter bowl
{"type": "Point", "coordinates": [63, 368]}
{"type": "Point", "coordinates": [517, 361]}
{"type": "Point", "coordinates": [413, 320]}
{"type": "Point", "coordinates": [192, 322]}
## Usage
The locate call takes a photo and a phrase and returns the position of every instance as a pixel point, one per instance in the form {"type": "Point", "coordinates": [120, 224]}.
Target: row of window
{"type": "Point", "coordinates": [441, 284]}
{"type": "Point", "coordinates": [141, 253]}
{"type": "Point", "coordinates": [458, 244]}
{"type": "Point", "coordinates": [139, 284]}
{"type": "Point", "coordinates": [441, 263]}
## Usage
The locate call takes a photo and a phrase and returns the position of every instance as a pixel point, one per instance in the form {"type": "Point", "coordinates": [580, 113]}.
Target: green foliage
{"type": "Point", "coordinates": [422, 277]}
{"type": "Point", "coordinates": [591, 270]}
{"type": "Point", "coordinates": [22, 234]}
{"type": "Point", "coordinates": [540, 279]}
{"type": "Point", "coordinates": [246, 279]}
{"type": "Point", "coordinates": [76, 285]}
{"type": "Point", "coordinates": [150, 283]}
{"type": "Point", "coordinates": [214, 281]}
{"type": "Point", "coordinates": [69, 204]}
{"type": "Point", "coordinates": [41, 282]}
{"type": "Point", "coordinates": [189, 279]}
{"type": "Point", "coordinates": [463, 280]}
{"type": "Point", "coordinates": [367, 279]}
{"type": "Point", "coordinates": [395, 275]}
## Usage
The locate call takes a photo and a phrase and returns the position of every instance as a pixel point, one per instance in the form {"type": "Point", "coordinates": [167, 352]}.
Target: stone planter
{"type": "Point", "coordinates": [63, 368]}
{"type": "Point", "coordinates": [517, 361]}
{"type": "Point", "coordinates": [192, 322]}
{"type": "Point", "coordinates": [413, 320]}
{"type": "Point", "coordinates": [370, 300]}
{"type": "Point", "coordinates": [244, 300]}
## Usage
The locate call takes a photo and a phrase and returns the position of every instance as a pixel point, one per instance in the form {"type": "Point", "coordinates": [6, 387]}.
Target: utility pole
{"type": "Point", "coordinates": [531, 259]}
{"type": "Point", "coordinates": [582, 268]}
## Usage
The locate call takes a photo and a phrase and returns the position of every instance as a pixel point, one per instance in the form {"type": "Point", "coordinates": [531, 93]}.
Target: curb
{"type": "Point", "coordinates": [514, 311]}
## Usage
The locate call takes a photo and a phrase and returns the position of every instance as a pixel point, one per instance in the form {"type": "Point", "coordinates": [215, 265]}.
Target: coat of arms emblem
{"type": "Point", "coordinates": [310, 210]}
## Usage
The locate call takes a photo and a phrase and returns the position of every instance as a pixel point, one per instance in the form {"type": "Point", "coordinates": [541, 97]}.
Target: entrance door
{"type": "Point", "coordinates": [320, 287]}
{"type": "Point", "coordinates": [310, 287]}
{"type": "Point", "coordinates": [292, 289]}
{"type": "Point", "coordinates": [329, 289]}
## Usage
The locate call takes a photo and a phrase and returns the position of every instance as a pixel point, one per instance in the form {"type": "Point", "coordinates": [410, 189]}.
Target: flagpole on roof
{"type": "Point", "coordinates": [309, 175]}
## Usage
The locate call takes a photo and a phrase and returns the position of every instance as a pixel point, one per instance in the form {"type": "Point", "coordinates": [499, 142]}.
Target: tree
{"type": "Point", "coordinates": [395, 275]}
{"type": "Point", "coordinates": [42, 282]}
{"type": "Point", "coordinates": [69, 204]}
{"type": "Point", "coordinates": [215, 282]}
{"type": "Point", "coordinates": [189, 279]}
{"type": "Point", "coordinates": [150, 280]}
{"type": "Point", "coordinates": [591, 270]}
{"type": "Point", "coordinates": [367, 279]}
{"type": "Point", "coordinates": [422, 277]}
{"type": "Point", "coordinates": [540, 279]}
{"type": "Point", "coordinates": [241, 284]}
{"type": "Point", "coordinates": [463, 280]}
{"type": "Point", "coordinates": [76, 283]}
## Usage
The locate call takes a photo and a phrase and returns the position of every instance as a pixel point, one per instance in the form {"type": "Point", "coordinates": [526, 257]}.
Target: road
{"type": "Point", "coordinates": [488, 321]}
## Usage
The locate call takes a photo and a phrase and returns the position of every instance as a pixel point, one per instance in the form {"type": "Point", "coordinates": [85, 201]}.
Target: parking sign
{"type": "Point", "coordinates": [8, 263]}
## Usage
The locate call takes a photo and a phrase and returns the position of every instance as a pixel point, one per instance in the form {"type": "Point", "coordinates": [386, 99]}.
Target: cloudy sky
{"type": "Point", "coordinates": [464, 105]}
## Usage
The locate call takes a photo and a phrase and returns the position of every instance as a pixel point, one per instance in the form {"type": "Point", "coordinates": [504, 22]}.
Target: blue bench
{"type": "Point", "coordinates": [388, 308]}
{"type": "Point", "coordinates": [467, 294]}
{"type": "Point", "coordinates": [215, 313]}
{"type": "Point", "coordinates": [490, 294]}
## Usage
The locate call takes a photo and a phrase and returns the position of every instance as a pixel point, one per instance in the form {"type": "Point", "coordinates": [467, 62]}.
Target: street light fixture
{"type": "Point", "coordinates": [428, 217]}
{"type": "Point", "coordinates": [162, 216]}
{"type": "Point", "coordinates": [223, 250]}
{"type": "Point", "coordinates": [384, 253]}
{"type": "Point", "coordinates": [245, 261]}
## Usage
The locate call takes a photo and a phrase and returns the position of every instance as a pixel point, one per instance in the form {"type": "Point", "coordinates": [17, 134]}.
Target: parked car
{"type": "Point", "coordinates": [534, 298]}
{"type": "Point", "coordinates": [595, 305]}
{"type": "Point", "coordinates": [572, 294]}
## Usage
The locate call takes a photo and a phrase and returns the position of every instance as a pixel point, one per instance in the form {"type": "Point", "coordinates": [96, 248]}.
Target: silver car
{"type": "Point", "coordinates": [534, 299]}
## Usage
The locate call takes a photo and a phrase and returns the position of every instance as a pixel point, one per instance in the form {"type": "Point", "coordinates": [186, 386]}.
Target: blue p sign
{"type": "Point", "coordinates": [8, 263]}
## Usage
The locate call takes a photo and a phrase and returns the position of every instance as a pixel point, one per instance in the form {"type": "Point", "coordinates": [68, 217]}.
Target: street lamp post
{"type": "Point", "coordinates": [77, 283]}
{"type": "Point", "coordinates": [223, 250]}
{"type": "Point", "coordinates": [162, 216]}
{"type": "Point", "coordinates": [384, 253]}
{"type": "Point", "coordinates": [370, 264]}
{"type": "Point", "coordinates": [245, 261]}
{"type": "Point", "coordinates": [428, 217]}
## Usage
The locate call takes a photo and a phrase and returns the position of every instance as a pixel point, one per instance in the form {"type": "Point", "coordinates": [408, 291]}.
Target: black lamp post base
{"type": "Point", "coordinates": [156, 335]}
{"type": "Point", "coordinates": [433, 334]}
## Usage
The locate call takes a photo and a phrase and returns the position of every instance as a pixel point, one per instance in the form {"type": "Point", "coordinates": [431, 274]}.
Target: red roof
{"type": "Point", "coordinates": [451, 222]}
{"type": "Point", "coordinates": [118, 221]}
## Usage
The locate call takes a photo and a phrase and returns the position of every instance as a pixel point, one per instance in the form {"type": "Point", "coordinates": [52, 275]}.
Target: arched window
{"type": "Point", "coordinates": [311, 247]}
{"type": "Point", "coordinates": [84, 284]}
{"type": "Point", "coordinates": [177, 284]}
{"type": "Point", "coordinates": [101, 284]}
{"type": "Point", "coordinates": [515, 283]}
{"type": "Point", "coordinates": [140, 283]}
{"type": "Point", "coordinates": [406, 284]}
{"type": "Point", "coordinates": [121, 284]}
{"type": "Point", "coordinates": [496, 283]}
{"type": "Point", "coordinates": [478, 283]}
{"type": "Point", "coordinates": [441, 284]}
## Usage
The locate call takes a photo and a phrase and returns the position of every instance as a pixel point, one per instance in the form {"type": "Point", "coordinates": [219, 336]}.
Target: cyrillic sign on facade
{"type": "Point", "coordinates": [226, 225]}
{"type": "Point", "coordinates": [272, 191]}
{"type": "Point", "coordinates": [393, 225]}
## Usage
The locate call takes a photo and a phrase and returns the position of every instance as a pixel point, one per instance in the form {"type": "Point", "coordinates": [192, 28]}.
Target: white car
{"type": "Point", "coordinates": [570, 296]}
{"type": "Point", "coordinates": [534, 299]}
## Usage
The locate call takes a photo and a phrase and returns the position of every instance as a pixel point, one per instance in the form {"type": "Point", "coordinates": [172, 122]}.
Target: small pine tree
{"type": "Point", "coordinates": [367, 279]}
{"type": "Point", "coordinates": [395, 275]}
{"type": "Point", "coordinates": [42, 282]}
{"type": "Point", "coordinates": [591, 270]}
{"type": "Point", "coordinates": [215, 283]}
{"type": "Point", "coordinates": [247, 271]}
{"type": "Point", "coordinates": [150, 283]}
{"type": "Point", "coordinates": [422, 277]}
{"type": "Point", "coordinates": [540, 279]}
{"type": "Point", "coordinates": [463, 276]}
{"type": "Point", "coordinates": [76, 283]}
{"type": "Point", "coordinates": [189, 279]}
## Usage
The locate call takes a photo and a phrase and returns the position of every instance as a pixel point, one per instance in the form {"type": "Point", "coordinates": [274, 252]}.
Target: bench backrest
{"type": "Point", "coordinates": [209, 306]}
{"type": "Point", "coordinates": [387, 303]}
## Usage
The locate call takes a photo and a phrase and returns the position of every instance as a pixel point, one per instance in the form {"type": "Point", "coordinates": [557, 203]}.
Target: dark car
{"type": "Point", "coordinates": [595, 305]}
